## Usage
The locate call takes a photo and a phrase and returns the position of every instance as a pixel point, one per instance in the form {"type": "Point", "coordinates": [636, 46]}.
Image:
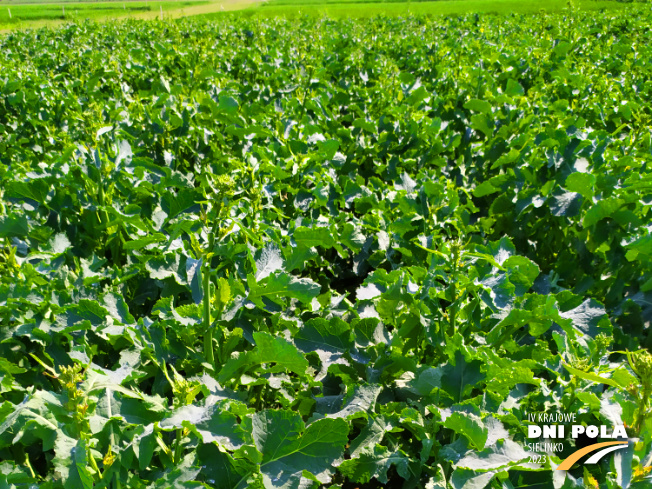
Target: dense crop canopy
{"type": "Point", "coordinates": [290, 254]}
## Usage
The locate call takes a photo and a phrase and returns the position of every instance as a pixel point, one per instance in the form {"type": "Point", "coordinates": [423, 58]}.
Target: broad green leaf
{"type": "Point", "coordinates": [502, 454]}
{"type": "Point", "coordinates": [514, 88]}
{"type": "Point", "coordinates": [13, 225]}
{"type": "Point", "coordinates": [372, 434]}
{"type": "Point", "coordinates": [467, 479]}
{"type": "Point", "coordinates": [582, 183]}
{"type": "Point", "coordinates": [522, 272]}
{"type": "Point", "coordinates": [175, 203]}
{"type": "Point", "coordinates": [221, 469]}
{"type": "Point", "coordinates": [330, 339]}
{"type": "Point", "coordinates": [139, 243]}
{"type": "Point", "coordinates": [71, 462]}
{"type": "Point", "coordinates": [289, 448]}
{"type": "Point", "coordinates": [485, 188]}
{"type": "Point", "coordinates": [566, 204]}
{"type": "Point", "coordinates": [314, 236]}
{"type": "Point", "coordinates": [36, 190]}
{"type": "Point", "coordinates": [468, 424]}
{"type": "Point", "coordinates": [280, 286]}
{"type": "Point", "coordinates": [228, 104]}
{"type": "Point", "coordinates": [352, 237]}
{"type": "Point", "coordinates": [375, 464]}
{"type": "Point", "coordinates": [212, 423]}
{"type": "Point", "coordinates": [589, 317]}
{"type": "Point", "coordinates": [476, 105]}
{"type": "Point", "coordinates": [276, 350]}
{"type": "Point", "coordinates": [361, 402]}
{"type": "Point", "coordinates": [181, 475]}
{"type": "Point", "coordinates": [601, 210]}
{"type": "Point", "coordinates": [462, 377]}
{"type": "Point", "coordinates": [59, 244]}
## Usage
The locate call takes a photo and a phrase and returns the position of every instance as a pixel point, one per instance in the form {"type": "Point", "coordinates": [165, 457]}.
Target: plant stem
{"type": "Point", "coordinates": [94, 464]}
{"type": "Point", "coordinates": [28, 464]}
{"type": "Point", "coordinates": [209, 354]}
{"type": "Point", "coordinates": [453, 306]}
{"type": "Point", "coordinates": [177, 446]}
{"type": "Point", "coordinates": [112, 439]}
{"type": "Point", "coordinates": [23, 458]}
{"type": "Point", "coordinates": [208, 335]}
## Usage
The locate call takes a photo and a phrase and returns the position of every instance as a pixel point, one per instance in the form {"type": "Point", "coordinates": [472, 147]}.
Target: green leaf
{"type": "Point", "coordinates": [194, 280]}
{"type": "Point", "coordinates": [13, 226]}
{"type": "Point", "coordinates": [582, 183]}
{"type": "Point", "coordinates": [85, 310]}
{"type": "Point", "coordinates": [269, 261]}
{"type": "Point", "coordinates": [562, 49]}
{"type": "Point", "coordinates": [365, 125]}
{"type": "Point", "coordinates": [469, 424]}
{"type": "Point", "coordinates": [503, 454]}
{"type": "Point", "coordinates": [476, 105]}
{"type": "Point", "coordinates": [182, 475]}
{"type": "Point", "coordinates": [482, 123]}
{"type": "Point", "coordinates": [522, 272]}
{"type": "Point", "coordinates": [514, 88]}
{"type": "Point", "coordinates": [461, 377]}
{"type": "Point", "coordinates": [289, 448]}
{"type": "Point", "coordinates": [221, 468]}
{"type": "Point", "coordinates": [589, 318]}
{"type": "Point", "coordinates": [352, 237]}
{"type": "Point", "coordinates": [212, 423]}
{"type": "Point", "coordinates": [58, 244]}
{"type": "Point", "coordinates": [181, 201]}
{"type": "Point", "coordinates": [566, 204]}
{"type": "Point", "coordinates": [375, 464]}
{"type": "Point", "coordinates": [317, 236]}
{"type": "Point", "coordinates": [485, 188]}
{"type": "Point", "coordinates": [601, 210]}
{"type": "Point", "coordinates": [372, 434]}
{"type": "Point", "coordinates": [167, 266]}
{"type": "Point", "coordinates": [622, 461]}
{"type": "Point", "coordinates": [590, 376]}
{"type": "Point", "coordinates": [271, 349]}
{"type": "Point", "coordinates": [71, 463]}
{"type": "Point", "coordinates": [468, 479]}
{"type": "Point", "coordinates": [139, 243]}
{"type": "Point", "coordinates": [360, 404]}
{"type": "Point", "coordinates": [330, 339]}
{"type": "Point", "coordinates": [283, 285]}
{"type": "Point", "coordinates": [228, 104]}
{"type": "Point", "coordinates": [144, 445]}
{"type": "Point", "coordinates": [406, 183]}
{"type": "Point", "coordinates": [36, 190]}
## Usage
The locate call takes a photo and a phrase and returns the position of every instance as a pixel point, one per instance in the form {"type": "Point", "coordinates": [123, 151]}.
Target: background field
{"type": "Point", "coordinates": [82, 10]}
{"type": "Point", "coordinates": [34, 14]}
{"type": "Point", "coordinates": [16, 14]}
{"type": "Point", "coordinates": [340, 9]}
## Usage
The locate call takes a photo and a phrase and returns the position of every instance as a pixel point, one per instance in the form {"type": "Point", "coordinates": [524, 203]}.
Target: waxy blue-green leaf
{"type": "Point", "coordinates": [289, 448]}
